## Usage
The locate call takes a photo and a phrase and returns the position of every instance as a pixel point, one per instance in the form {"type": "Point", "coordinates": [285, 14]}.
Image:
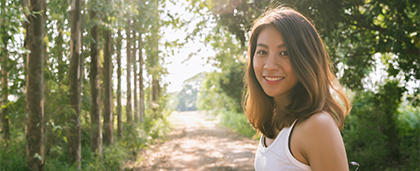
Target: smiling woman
{"type": "Point", "coordinates": [289, 100]}
{"type": "Point", "coordinates": [272, 65]}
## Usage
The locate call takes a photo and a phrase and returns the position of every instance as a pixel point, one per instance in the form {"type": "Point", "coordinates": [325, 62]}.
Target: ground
{"type": "Point", "coordinates": [198, 143]}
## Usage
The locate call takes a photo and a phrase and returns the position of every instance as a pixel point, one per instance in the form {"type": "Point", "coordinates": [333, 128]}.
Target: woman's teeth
{"type": "Point", "coordinates": [273, 78]}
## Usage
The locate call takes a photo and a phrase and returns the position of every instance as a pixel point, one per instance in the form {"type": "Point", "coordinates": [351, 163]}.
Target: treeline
{"type": "Point", "coordinates": [59, 61]}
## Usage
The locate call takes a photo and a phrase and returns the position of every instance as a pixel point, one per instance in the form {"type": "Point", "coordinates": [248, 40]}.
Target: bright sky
{"type": "Point", "coordinates": [178, 66]}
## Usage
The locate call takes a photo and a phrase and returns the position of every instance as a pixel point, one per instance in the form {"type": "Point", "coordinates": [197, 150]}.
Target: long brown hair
{"type": "Point", "coordinates": [317, 86]}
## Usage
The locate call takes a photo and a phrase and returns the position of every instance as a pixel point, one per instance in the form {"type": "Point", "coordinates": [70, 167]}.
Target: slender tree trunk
{"type": "Point", "coordinates": [5, 93]}
{"type": "Point", "coordinates": [155, 94]}
{"type": "Point", "coordinates": [95, 90]}
{"type": "Point", "coordinates": [108, 111]}
{"type": "Point", "coordinates": [4, 113]}
{"type": "Point", "coordinates": [140, 76]}
{"type": "Point", "coordinates": [74, 137]}
{"type": "Point", "coordinates": [128, 107]}
{"type": "Point", "coordinates": [134, 60]}
{"type": "Point", "coordinates": [47, 74]}
{"type": "Point", "coordinates": [154, 63]}
{"type": "Point", "coordinates": [35, 92]}
{"type": "Point", "coordinates": [119, 110]}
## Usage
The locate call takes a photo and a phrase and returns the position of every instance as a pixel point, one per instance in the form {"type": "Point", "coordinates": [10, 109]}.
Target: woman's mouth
{"type": "Point", "coordinates": [273, 80]}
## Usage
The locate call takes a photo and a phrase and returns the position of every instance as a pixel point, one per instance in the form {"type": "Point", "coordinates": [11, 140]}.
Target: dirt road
{"type": "Point", "coordinates": [197, 143]}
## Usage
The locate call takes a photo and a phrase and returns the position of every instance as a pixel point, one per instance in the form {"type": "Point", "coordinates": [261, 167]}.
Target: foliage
{"type": "Point", "coordinates": [211, 95]}
{"type": "Point", "coordinates": [379, 136]}
{"type": "Point", "coordinates": [12, 157]}
{"type": "Point", "coordinates": [409, 130]}
{"type": "Point", "coordinates": [223, 88]}
{"type": "Point", "coordinates": [186, 99]}
{"type": "Point", "coordinates": [236, 121]}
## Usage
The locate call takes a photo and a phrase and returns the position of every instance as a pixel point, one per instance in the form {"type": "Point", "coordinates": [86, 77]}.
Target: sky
{"type": "Point", "coordinates": [179, 68]}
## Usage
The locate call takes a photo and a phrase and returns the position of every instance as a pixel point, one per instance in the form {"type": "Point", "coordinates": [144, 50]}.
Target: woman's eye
{"type": "Point", "coordinates": [261, 52]}
{"type": "Point", "coordinates": [284, 53]}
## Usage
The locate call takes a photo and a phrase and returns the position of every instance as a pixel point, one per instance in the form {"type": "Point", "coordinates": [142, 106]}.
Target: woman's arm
{"type": "Point", "coordinates": [321, 143]}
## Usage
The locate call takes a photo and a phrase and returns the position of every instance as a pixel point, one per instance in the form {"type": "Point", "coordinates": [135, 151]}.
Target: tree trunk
{"type": "Point", "coordinates": [47, 74]}
{"type": "Point", "coordinates": [5, 93]}
{"type": "Point", "coordinates": [140, 76]}
{"type": "Point", "coordinates": [108, 110]}
{"type": "Point", "coordinates": [74, 137]}
{"type": "Point", "coordinates": [4, 113]}
{"type": "Point", "coordinates": [35, 92]}
{"type": "Point", "coordinates": [95, 90]}
{"type": "Point", "coordinates": [155, 94]}
{"type": "Point", "coordinates": [128, 106]}
{"type": "Point", "coordinates": [119, 109]}
{"type": "Point", "coordinates": [134, 60]}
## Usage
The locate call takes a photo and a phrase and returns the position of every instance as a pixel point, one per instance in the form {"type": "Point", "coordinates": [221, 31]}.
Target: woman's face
{"type": "Point", "coordinates": [272, 66]}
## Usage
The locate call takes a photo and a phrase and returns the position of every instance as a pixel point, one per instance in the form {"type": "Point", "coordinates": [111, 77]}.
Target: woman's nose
{"type": "Point", "coordinates": [270, 63]}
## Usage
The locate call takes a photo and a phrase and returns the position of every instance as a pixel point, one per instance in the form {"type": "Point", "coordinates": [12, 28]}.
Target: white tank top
{"type": "Point", "coordinates": [277, 156]}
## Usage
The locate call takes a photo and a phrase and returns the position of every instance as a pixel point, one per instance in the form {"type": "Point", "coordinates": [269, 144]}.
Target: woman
{"type": "Point", "coordinates": [292, 96]}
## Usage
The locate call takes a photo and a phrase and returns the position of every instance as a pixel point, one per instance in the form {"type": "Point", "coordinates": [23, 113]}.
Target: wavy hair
{"type": "Point", "coordinates": [317, 89]}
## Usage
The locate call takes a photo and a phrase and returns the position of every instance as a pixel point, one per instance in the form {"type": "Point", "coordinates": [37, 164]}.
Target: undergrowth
{"type": "Point", "coordinates": [235, 121]}
{"type": "Point", "coordinates": [135, 138]}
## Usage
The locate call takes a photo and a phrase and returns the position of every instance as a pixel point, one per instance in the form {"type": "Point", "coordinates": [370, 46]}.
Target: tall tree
{"type": "Point", "coordinates": [95, 90]}
{"type": "Point", "coordinates": [154, 59]}
{"type": "Point", "coordinates": [140, 78]}
{"type": "Point", "coordinates": [74, 132]}
{"type": "Point", "coordinates": [128, 106]}
{"type": "Point", "coordinates": [134, 60]}
{"type": "Point", "coordinates": [4, 113]}
{"type": "Point", "coordinates": [35, 92]}
{"type": "Point", "coordinates": [119, 107]}
{"type": "Point", "coordinates": [4, 100]}
{"type": "Point", "coordinates": [108, 110]}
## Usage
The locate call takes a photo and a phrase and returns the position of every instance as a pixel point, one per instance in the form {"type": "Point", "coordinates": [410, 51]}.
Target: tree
{"type": "Point", "coordinates": [134, 60]}
{"type": "Point", "coordinates": [74, 132]}
{"type": "Point", "coordinates": [119, 107]}
{"type": "Point", "coordinates": [153, 58]}
{"type": "Point", "coordinates": [35, 92]}
{"type": "Point", "coordinates": [140, 76]}
{"type": "Point", "coordinates": [5, 136]}
{"type": "Point", "coordinates": [108, 103]}
{"type": "Point", "coordinates": [128, 106]}
{"type": "Point", "coordinates": [95, 90]}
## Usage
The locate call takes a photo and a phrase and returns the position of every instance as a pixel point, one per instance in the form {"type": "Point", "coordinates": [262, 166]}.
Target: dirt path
{"type": "Point", "coordinates": [197, 143]}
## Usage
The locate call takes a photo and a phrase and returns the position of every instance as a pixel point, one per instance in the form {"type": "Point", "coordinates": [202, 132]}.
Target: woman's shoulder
{"type": "Point", "coordinates": [320, 140]}
{"type": "Point", "coordinates": [321, 121]}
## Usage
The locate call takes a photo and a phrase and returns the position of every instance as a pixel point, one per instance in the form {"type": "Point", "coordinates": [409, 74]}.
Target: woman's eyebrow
{"type": "Point", "coordinates": [264, 45]}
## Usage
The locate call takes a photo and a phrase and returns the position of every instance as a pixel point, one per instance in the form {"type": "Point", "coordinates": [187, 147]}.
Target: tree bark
{"type": "Point", "coordinates": [134, 60]}
{"type": "Point", "coordinates": [155, 94]}
{"type": "Point", "coordinates": [74, 137]}
{"type": "Point", "coordinates": [140, 76]}
{"type": "Point", "coordinates": [128, 106]}
{"type": "Point", "coordinates": [4, 113]}
{"type": "Point", "coordinates": [35, 92]}
{"type": "Point", "coordinates": [108, 110]}
{"type": "Point", "coordinates": [95, 90]}
{"type": "Point", "coordinates": [119, 108]}
{"type": "Point", "coordinates": [5, 93]}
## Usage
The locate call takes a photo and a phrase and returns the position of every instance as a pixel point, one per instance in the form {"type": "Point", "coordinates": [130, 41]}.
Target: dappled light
{"type": "Point", "coordinates": [160, 84]}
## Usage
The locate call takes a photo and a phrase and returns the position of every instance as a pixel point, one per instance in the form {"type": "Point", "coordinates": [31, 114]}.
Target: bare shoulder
{"type": "Point", "coordinates": [322, 121]}
{"type": "Point", "coordinates": [321, 143]}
